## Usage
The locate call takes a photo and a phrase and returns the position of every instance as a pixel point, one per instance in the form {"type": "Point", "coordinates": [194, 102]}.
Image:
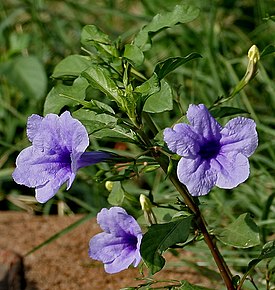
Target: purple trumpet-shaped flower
{"type": "Point", "coordinates": [212, 155]}
{"type": "Point", "coordinates": [119, 245]}
{"type": "Point", "coordinates": [57, 152]}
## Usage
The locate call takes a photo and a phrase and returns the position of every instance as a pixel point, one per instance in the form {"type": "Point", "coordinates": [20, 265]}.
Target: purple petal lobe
{"type": "Point", "coordinates": [182, 140]}
{"type": "Point", "coordinates": [240, 135]}
{"type": "Point", "coordinates": [105, 247]}
{"type": "Point", "coordinates": [73, 133]}
{"type": "Point", "coordinates": [45, 192]}
{"type": "Point", "coordinates": [203, 123]}
{"type": "Point", "coordinates": [116, 221]}
{"type": "Point", "coordinates": [233, 170]}
{"type": "Point", "coordinates": [34, 168]}
{"type": "Point", "coordinates": [33, 125]}
{"type": "Point", "coordinates": [197, 175]}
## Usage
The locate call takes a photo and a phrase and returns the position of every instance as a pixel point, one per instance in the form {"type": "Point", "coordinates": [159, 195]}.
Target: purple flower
{"type": "Point", "coordinates": [212, 155]}
{"type": "Point", "coordinates": [119, 245]}
{"type": "Point", "coordinates": [57, 152]}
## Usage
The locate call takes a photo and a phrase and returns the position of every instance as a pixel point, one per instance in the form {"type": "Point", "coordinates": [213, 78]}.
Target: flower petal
{"type": "Point", "coordinates": [45, 192]}
{"type": "Point", "coordinates": [58, 134]}
{"type": "Point", "coordinates": [117, 222]}
{"type": "Point", "coordinates": [182, 140]}
{"type": "Point", "coordinates": [33, 168]}
{"type": "Point", "coordinates": [232, 169]}
{"type": "Point", "coordinates": [240, 135]}
{"type": "Point", "coordinates": [105, 247]}
{"type": "Point", "coordinates": [197, 175]}
{"type": "Point", "coordinates": [204, 124]}
{"type": "Point", "coordinates": [33, 125]}
{"type": "Point", "coordinates": [73, 133]}
{"type": "Point", "coordinates": [137, 252]}
{"type": "Point", "coordinates": [122, 262]}
{"type": "Point", "coordinates": [47, 139]}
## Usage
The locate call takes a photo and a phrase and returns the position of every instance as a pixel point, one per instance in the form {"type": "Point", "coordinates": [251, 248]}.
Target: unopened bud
{"type": "Point", "coordinates": [146, 206]}
{"type": "Point", "coordinates": [109, 185]}
{"type": "Point", "coordinates": [254, 54]}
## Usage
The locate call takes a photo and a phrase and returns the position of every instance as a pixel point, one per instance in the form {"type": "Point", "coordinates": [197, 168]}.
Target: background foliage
{"type": "Point", "coordinates": [36, 35]}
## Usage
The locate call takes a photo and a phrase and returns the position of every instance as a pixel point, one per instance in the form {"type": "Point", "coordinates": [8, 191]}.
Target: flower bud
{"type": "Point", "coordinates": [109, 185]}
{"type": "Point", "coordinates": [146, 206]}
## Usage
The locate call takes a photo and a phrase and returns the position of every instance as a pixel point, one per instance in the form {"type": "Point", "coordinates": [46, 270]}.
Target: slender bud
{"type": "Point", "coordinates": [254, 57]}
{"type": "Point", "coordinates": [253, 53]}
{"type": "Point", "coordinates": [146, 206]}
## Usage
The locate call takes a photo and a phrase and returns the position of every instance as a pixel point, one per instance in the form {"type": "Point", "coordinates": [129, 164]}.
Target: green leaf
{"type": "Point", "coordinates": [181, 14]}
{"type": "Point", "coordinates": [133, 54]}
{"type": "Point", "coordinates": [116, 195]}
{"type": "Point", "coordinates": [187, 286]}
{"type": "Point", "coordinates": [268, 50]}
{"type": "Point", "coordinates": [149, 87]}
{"type": "Point", "coordinates": [221, 112]}
{"type": "Point", "coordinates": [164, 236]}
{"type": "Point", "coordinates": [55, 102]}
{"type": "Point", "coordinates": [268, 252]}
{"type": "Point", "coordinates": [71, 67]}
{"type": "Point", "coordinates": [93, 121]}
{"type": "Point", "coordinates": [163, 68]}
{"type": "Point", "coordinates": [28, 75]}
{"type": "Point", "coordinates": [145, 90]}
{"type": "Point", "coordinates": [100, 78]}
{"type": "Point", "coordinates": [92, 36]}
{"type": "Point", "coordinates": [242, 233]}
{"type": "Point", "coordinates": [160, 101]}
{"type": "Point", "coordinates": [116, 134]}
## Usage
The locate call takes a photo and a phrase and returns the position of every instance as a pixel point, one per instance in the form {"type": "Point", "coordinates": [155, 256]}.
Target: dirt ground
{"type": "Point", "coordinates": [64, 263]}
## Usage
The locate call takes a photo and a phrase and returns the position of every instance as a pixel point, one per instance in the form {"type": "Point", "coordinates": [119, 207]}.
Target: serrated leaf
{"type": "Point", "coordinates": [164, 236]}
{"type": "Point", "coordinates": [28, 75]}
{"type": "Point", "coordinates": [163, 68]}
{"type": "Point", "coordinates": [181, 14]}
{"type": "Point", "coordinates": [222, 112]}
{"type": "Point", "coordinates": [99, 78]}
{"type": "Point", "coordinates": [91, 35]}
{"type": "Point", "coordinates": [160, 101]}
{"type": "Point", "coordinates": [71, 67]}
{"type": "Point", "coordinates": [55, 102]}
{"type": "Point", "coordinates": [242, 233]}
{"type": "Point", "coordinates": [133, 54]}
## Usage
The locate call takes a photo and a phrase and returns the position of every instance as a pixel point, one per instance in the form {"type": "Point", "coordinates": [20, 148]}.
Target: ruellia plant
{"type": "Point", "coordinates": [175, 156]}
